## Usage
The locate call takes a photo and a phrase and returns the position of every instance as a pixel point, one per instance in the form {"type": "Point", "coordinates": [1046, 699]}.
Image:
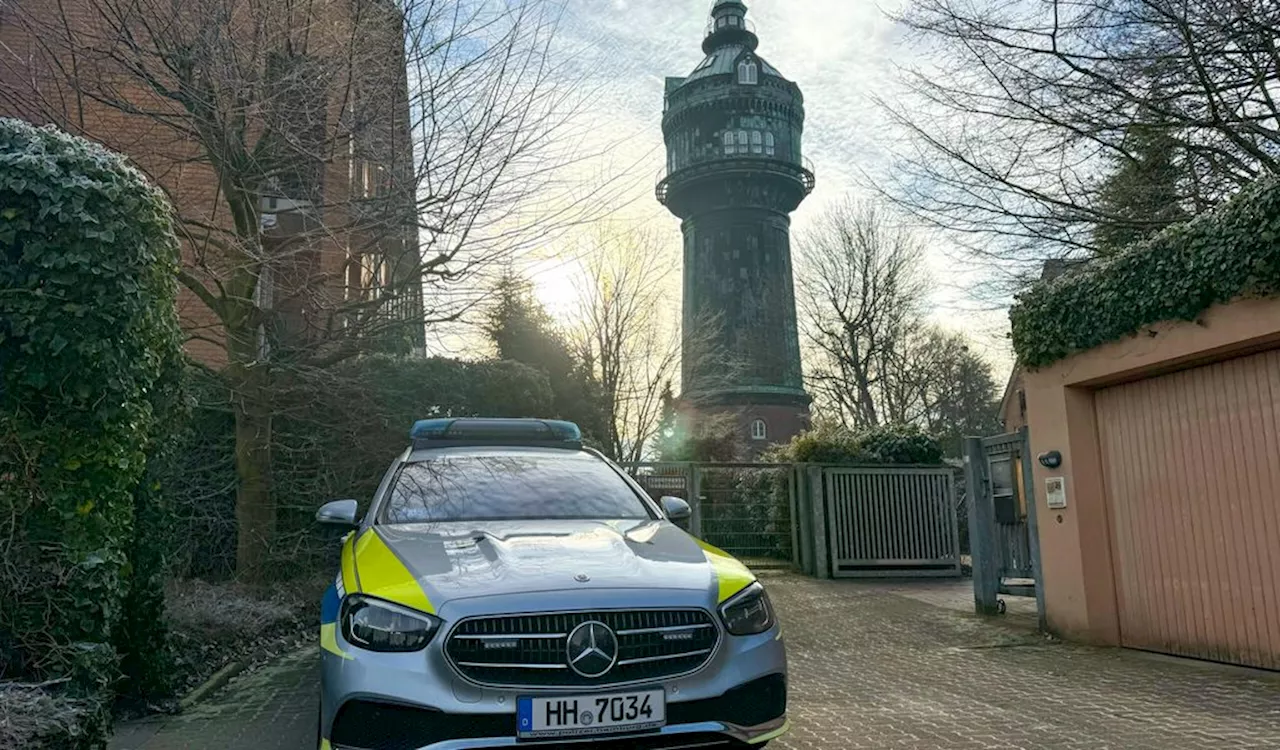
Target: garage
{"type": "Point", "coordinates": [1191, 476]}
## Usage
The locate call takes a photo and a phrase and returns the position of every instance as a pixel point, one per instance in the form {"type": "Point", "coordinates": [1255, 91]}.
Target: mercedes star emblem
{"type": "Point", "coordinates": [592, 648]}
{"type": "Point", "coordinates": [582, 578]}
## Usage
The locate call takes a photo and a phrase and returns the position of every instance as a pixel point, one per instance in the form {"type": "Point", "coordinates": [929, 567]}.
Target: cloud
{"type": "Point", "coordinates": [843, 55]}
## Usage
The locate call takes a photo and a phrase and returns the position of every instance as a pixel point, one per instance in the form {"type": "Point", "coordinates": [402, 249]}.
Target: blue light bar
{"type": "Point", "coordinates": [435, 432]}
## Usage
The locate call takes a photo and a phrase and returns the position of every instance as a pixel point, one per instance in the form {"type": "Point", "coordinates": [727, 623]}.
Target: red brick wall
{"type": "Point", "coordinates": [32, 35]}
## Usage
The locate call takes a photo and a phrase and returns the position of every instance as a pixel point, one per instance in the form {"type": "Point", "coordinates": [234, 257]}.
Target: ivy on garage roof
{"type": "Point", "coordinates": [1230, 253]}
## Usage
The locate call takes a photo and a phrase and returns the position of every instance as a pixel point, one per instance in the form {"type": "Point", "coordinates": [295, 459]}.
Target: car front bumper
{"type": "Point", "coordinates": [417, 701]}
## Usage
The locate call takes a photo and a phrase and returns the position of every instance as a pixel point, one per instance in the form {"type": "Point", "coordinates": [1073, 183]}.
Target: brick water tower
{"type": "Point", "coordinates": [735, 173]}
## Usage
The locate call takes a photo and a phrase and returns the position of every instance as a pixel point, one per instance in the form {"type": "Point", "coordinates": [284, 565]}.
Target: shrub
{"type": "Point", "coordinates": [893, 444]}
{"type": "Point", "coordinates": [87, 324]}
{"type": "Point", "coordinates": [748, 511]}
{"type": "Point", "coordinates": [1178, 274]}
{"type": "Point", "coordinates": [146, 655]}
{"type": "Point", "coordinates": [336, 432]}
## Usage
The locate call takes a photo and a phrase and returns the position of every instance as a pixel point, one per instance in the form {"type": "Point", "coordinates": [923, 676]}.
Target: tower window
{"type": "Point", "coordinates": [748, 72]}
{"type": "Point", "coordinates": [757, 142]}
{"type": "Point", "coordinates": [728, 142]}
{"type": "Point", "coordinates": [733, 20]}
{"type": "Point", "coordinates": [721, 22]}
{"type": "Point", "coordinates": [759, 430]}
{"type": "Point", "coordinates": [769, 146]}
{"type": "Point", "coordinates": [742, 142]}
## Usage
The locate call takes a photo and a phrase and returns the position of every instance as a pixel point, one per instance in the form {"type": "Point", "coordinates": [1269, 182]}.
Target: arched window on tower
{"type": "Point", "coordinates": [748, 72]}
{"type": "Point", "coordinates": [728, 143]}
{"type": "Point", "coordinates": [759, 430]}
{"type": "Point", "coordinates": [770, 148]}
{"type": "Point", "coordinates": [743, 146]}
{"type": "Point", "coordinates": [757, 142]}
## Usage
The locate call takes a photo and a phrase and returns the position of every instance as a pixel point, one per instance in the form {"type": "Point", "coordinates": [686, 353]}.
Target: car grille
{"type": "Point", "coordinates": [530, 650]}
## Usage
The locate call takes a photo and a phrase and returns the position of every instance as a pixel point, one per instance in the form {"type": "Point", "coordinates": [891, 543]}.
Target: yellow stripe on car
{"type": "Point", "coordinates": [349, 581]}
{"type": "Point", "coordinates": [329, 640]}
{"type": "Point", "coordinates": [731, 575]}
{"type": "Point", "coordinates": [383, 575]}
{"type": "Point", "coordinates": [775, 734]}
{"type": "Point", "coordinates": [324, 745]}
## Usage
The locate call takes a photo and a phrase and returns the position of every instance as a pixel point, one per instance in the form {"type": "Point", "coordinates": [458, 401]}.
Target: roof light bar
{"type": "Point", "coordinates": [434, 432]}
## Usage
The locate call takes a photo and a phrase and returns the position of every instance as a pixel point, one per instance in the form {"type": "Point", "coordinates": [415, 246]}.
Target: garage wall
{"type": "Point", "coordinates": [1083, 576]}
{"type": "Point", "coordinates": [1191, 465]}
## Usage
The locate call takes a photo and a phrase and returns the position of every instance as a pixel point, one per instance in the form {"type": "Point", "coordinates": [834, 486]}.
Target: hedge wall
{"type": "Point", "coordinates": [1227, 254]}
{"type": "Point", "coordinates": [87, 325]}
{"type": "Point", "coordinates": [890, 444]}
{"type": "Point", "coordinates": [336, 432]}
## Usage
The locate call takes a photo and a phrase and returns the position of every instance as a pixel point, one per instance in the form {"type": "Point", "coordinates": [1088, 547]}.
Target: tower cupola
{"type": "Point", "coordinates": [729, 27]}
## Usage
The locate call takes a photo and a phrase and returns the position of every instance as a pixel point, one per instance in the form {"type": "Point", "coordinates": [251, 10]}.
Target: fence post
{"type": "Point", "coordinates": [1033, 525]}
{"type": "Point", "coordinates": [793, 497]}
{"type": "Point", "coordinates": [982, 547]}
{"type": "Point", "coordinates": [821, 557]}
{"type": "Point", "coordinates": [695, 500]}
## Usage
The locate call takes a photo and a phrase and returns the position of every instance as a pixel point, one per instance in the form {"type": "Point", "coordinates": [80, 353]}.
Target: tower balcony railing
{"type": "Point", "coordinates": [805, 171]}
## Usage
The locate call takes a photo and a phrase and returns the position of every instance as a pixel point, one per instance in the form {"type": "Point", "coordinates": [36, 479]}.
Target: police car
{"type": "Point", "coordinates": [508, 587]}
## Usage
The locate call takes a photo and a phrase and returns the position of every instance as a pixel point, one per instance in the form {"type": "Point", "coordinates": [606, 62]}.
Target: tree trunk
{"type": "Point", "coordinates": [255, 506]}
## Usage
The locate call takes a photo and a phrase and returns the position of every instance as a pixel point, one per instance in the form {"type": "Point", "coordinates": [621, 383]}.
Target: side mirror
{"type": "Point", "coordinates": [339, 513]}
{"type": "Point", "coordinates": [676, 509]}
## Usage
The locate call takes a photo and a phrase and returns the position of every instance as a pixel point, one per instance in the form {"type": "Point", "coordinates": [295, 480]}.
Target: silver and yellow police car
{"type": "Point", "coordinates": [508, 587]}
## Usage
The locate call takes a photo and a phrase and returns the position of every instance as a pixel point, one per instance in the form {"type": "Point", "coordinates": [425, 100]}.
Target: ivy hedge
{"type": "Point", "coordinates": [1229, 253]}
{"type": "Point", "coordinates": [88, 335]}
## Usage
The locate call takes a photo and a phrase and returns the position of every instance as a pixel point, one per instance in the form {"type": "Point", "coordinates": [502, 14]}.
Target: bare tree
{"type": "Point", "coordinates": [330, 160]}
{"type": "Point", "coordinates": [874, 359]}
{"type": "Point", "coordinates": [1018, 112]}
{"type": "Point", "coordinates": [624, 331]}
{"type": "Point", "coordinates": [860, 293]}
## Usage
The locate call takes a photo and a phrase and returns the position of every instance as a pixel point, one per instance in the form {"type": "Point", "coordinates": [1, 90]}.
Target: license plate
{"type": "Point", "coordinates": [586, 715]}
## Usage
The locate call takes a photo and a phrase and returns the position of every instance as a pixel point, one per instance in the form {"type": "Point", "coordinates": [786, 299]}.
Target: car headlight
{"type": "Point", "coordinates": [748, 612]}
{"type": "Point", "coordinates": [377, 625]}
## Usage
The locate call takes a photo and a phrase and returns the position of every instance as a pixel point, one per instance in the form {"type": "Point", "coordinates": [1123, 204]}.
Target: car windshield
{"type": "Point", "coordinates": [511, 486]}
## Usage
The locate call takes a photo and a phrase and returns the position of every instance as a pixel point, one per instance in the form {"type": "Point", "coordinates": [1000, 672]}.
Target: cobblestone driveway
{"type": "Point", "coordinates": [876, 666]}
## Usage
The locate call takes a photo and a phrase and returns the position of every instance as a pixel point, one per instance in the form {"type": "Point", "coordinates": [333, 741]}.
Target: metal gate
{"type": "Point", "coordinates": [1003, 537]}
{"type": "Point", "coordinates": [892, 522]}
{"type": "Point", "coordinates": [748, 510]}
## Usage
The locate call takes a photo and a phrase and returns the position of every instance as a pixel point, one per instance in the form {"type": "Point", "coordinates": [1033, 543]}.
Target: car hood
{"type": "Point", "coordinates": [444, 562]}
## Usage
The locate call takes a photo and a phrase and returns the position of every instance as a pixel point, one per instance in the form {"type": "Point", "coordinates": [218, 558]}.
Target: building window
{"type": "Point", "coordinates": [728, 142]}
{"type": "Point", "coordinates": [757, 142]}
{"type": "Point", "coordinates": [759, 430]}
{"type": "Point", "coordinates": [769, 146]}
{"type": "Point", "coordinates": [748, 72]}
{"type": "Point", "coordinates": [743, 145]}
{"type": "Point", "coordinates": [721, 22]}
{"type": "Point", "coordinates": [733, 20]}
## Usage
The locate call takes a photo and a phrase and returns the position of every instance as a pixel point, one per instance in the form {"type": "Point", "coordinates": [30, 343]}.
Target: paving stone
{"type": "Point", "coordinates": [877, 666]}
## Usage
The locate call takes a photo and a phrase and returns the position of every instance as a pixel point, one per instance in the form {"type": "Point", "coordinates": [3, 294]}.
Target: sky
{"type": "Point", "coordinates": [842, 53]}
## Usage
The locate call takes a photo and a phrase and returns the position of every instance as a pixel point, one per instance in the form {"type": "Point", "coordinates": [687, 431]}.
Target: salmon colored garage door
{"type": "Point", "coordinates": [1191, 463]}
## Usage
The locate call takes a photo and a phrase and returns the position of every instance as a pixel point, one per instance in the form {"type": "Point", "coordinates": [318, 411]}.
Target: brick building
{"type": "Point", "coordinates": [280, 133]}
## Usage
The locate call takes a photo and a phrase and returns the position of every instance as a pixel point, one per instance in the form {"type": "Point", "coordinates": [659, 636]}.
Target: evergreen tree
{"type": "Point", "coordinates": [1143, 194]}
{"type": "Point", "coordinates": [522, 330]}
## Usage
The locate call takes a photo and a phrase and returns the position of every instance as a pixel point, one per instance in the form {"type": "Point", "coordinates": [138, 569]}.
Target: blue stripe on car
{"type": "Point", "coordinates": [329, 605]}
